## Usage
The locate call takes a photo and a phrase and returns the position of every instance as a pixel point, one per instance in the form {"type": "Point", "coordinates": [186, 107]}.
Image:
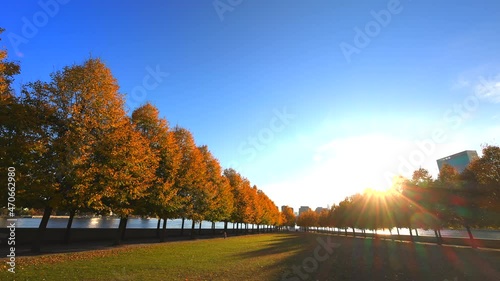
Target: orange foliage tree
{"type": "Point", "coordinates": [75, 149]}
{"type": "Point", "coordinates": [217, 190]}
{"type": "Point", "coordinates": [161, 200]}
{"type": "Point", "coordinates": [191, 178]}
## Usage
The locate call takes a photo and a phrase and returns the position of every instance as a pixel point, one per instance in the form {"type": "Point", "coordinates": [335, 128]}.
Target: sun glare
{"type": "Point", "coordinates": [396, 183]}
{"type": "Point", "coordinates": [379, 188]}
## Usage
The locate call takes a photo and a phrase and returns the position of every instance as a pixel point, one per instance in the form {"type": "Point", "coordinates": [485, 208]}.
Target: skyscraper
{"type": "Point", "coordinates": [459, 160]}
{"type": "Point", "coordinates": [284, 207]}
{"type": "Point", "coordinates": [319, 209]}
{"type": "Point", "coordinates": [303, 209]}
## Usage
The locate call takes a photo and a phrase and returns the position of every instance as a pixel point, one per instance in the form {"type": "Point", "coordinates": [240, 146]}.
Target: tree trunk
{"type": "Point", "coordinates": [472, 241]}
{"type": "Point", "coordinates": [35, 248]}
{"type": "Point", "coordinates": [67, 235]}
{"type": "Point", "coordinates": [121, 231]}
{"type": "Point", "coordinates": [164, 230]}
{"type": "Point", "coordinates": [182, 226]}
{"type": "Point", "coordinates": [416, 232]}
{"type": "Point", "coordinates": [124, 228]}
{"type": "Point", "coordinates": [399, 235]}
{"type": "Point", "coordinates": [199, 229]}
{"type": "Point", "coordinates": [353, 232]}
{"type": "Point", "coordinates": [213, 228]}
{"type": "Point", "coordinates": [258, 230]}
{"type": "Point", "coordinates": [411, 234]}
{"type": "Point", "coordinates": [437, 237]}
{"type": "Point", "coordinates": [118, 235]}
{"type": "Point", "coordinates": [345, 230]}
{"type": "Point", "coordinates": [158, 228]}
{"type": "Point", "coordinates": [225, 226]}
{"type": "Point", "coordinates": [192, 228]}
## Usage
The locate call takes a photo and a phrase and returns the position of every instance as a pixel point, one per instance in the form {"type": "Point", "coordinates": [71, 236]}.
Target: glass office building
{"type": "Point", "coordinates": [458, 161]}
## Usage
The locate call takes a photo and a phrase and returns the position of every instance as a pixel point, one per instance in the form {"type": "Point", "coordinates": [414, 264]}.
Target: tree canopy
{"type": "Point", "coordinates": [75, 148]}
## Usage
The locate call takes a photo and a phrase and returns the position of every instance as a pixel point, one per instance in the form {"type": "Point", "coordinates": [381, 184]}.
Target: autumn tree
{"type": "Point", "coordinates": [308, 219]}
{"type": "Point", "coordinates": [475, 204]}
{"type": "Point", "coordinates": [12, 146]}
{"type": "Point", "coordinates": [324, 218]}
{"type": "Point", "coordinates": [448, 177]}
{"type": "Point", "coordinates": [7, 72]}
{"type": "Point", "coordinates": [268, 211]}
{"type": "Point", "coordinates": [217, 190]}
{"type": "Point", "coordinates": [29, 143]}
{"type": "Point", "coordinates": [239, 188]}
{"type": "Point", "coordinates": [119, 168]}
{"type": "Point", "coordinates": [161, 200]}
{"type": "Point", "coordinates": [38, 164]}
{"type": "Point", "coordinates": [289, 218]}
{"type": "Point", "coordinates": [98, 160]}
{"type": "Point", "coordinates": [259, 214]}
{"type": "Point", "coordinates": [486, 174]}
{"type": "Point", "coordinates": [191, 178]}
{"type": "Point", "coordinates": [459, 199]}
{"type": "Point", "coordinates": [422, 178]}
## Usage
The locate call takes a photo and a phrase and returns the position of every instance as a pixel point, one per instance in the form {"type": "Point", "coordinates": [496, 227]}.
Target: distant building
{"type": "Point", "coordinates": [283, 208]}
{"type": "Point", "coordinates": [459, 160]}
{"type": "Point", "coordinates": [303, 209]}
{"type": "Point", "coordinates": [319, 209]}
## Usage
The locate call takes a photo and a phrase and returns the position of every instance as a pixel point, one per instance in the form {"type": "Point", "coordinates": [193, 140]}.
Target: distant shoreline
{"type": "Point", "coordinates": [56, 217]}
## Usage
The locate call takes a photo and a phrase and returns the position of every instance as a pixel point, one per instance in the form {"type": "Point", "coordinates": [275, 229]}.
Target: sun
{"type": "Point", "coordinates": [377, 191]}
{"type": "Point", "coordinates": [396, 183]}
{"type": "Point", "coordinates": [379, 188]}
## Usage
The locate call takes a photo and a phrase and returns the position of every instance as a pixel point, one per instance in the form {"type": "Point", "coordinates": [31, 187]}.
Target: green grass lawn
{"type": "Point", "coordinates": [265, 257]}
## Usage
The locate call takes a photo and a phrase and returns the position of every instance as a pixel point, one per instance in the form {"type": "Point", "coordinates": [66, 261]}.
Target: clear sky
{"type": "Point", "coordinates": [312, 101]}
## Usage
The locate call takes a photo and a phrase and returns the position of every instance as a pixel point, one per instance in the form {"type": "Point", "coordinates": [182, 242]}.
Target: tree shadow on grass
{"type": "Point", "coordinates": [292, 257]}
{"type": "Point", "coordinates": [278, 245]}
{"type": "Point", "coordinates": [282, 257]}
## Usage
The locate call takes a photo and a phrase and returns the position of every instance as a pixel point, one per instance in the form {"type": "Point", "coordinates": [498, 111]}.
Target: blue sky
{"type": "Point", "coordinates": [312, 101]}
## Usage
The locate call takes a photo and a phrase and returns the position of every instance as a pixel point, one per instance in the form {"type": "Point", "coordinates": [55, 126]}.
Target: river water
{"type": "Point", "coordinates": [176, 224]}
{"type": "Point", "coordinates": [107, 223]}
{"type": "Point", "coordinates": [455, 233]}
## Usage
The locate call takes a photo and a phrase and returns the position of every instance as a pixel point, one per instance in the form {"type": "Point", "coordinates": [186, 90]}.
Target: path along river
{"type": "Point", "coordinates": [58, 222]}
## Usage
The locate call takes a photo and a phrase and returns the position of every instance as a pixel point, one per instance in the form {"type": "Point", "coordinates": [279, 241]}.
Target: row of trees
{"type": "Point", "coordinates": [453, 200]}
{"type": "Point", "coordinates": [75, 149]}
